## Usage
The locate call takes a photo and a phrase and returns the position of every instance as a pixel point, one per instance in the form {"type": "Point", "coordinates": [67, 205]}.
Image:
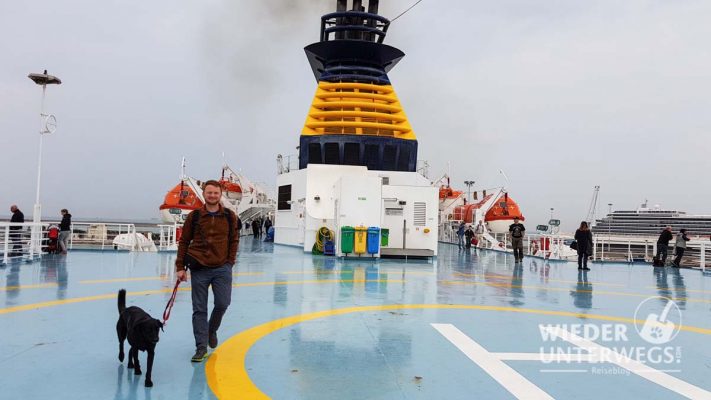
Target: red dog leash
{"type": "Point", "coordinates": [169, 306]}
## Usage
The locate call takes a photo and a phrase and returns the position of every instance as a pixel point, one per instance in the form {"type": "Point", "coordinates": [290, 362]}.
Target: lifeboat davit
{"type": "Point", "coordinates": [502, 213]}
{"type": "Point", "coordinates": [232, 190]}
{"type": "Point", "coordinates": [178, 203]}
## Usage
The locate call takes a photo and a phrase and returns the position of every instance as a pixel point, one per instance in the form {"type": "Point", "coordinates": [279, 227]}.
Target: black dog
{"type": "Point", "coordinates": [142, 333]}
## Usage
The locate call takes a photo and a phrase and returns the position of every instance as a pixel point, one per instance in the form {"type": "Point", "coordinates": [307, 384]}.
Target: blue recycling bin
{"type": "Point", "coordinates": [329, 248]}
{"type": "Point", "coordinates": [373, 240]}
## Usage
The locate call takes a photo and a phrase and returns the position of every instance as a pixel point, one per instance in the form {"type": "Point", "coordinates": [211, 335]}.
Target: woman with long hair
{"type": "Point", "coordinates": [585, 245]}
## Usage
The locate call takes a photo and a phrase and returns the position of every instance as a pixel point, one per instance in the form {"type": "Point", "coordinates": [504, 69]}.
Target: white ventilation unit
{"type": "Point", "coordinates": [420, 213]}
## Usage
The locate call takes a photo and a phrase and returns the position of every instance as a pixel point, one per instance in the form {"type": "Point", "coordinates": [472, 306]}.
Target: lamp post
{"type": "Point", "coordinates": [552, 212]}
{"type": "Point", "coordinates": [48, 124]}
{"type": "Point", "coordinates": [469, 189]}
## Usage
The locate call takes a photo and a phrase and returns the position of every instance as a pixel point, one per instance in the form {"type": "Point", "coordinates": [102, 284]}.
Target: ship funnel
{"type": "Point", "coordinates": [354, 24]}
{"type": "Point", "coordinates": [356, 117]}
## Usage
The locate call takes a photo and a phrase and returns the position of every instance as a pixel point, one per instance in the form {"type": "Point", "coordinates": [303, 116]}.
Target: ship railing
{"type": "Point", "coordinates": [423, 168]}
{"type": "Point", "coordinates": [168, 236]}
{"type": "Point", "coordinates": [288, 163]}
{"type": "Point", "coordinates": [97, 235]}
{"type": "Point", "coordinates": [21, 241]}
{"type": "Point", "coordinates": [546, 246]}
{"type": "Point", "coordinates": [631, 249]}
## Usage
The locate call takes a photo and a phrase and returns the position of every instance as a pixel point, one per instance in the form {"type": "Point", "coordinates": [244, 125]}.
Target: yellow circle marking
{"type": "Point", "coordinates": [33, 306]}
{"type": "Point", "coordinates": [226, 369]}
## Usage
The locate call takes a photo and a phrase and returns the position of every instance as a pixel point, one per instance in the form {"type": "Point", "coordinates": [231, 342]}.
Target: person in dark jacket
{"type": "Point", "coordinates": [255, 228]}
{"type": "Point", "coordinates": [16, 236]}
{"type": "Point", "coordinates": [65, 230]}
{"type": "Point", "coordinates": [469, 234]}
{"type": "Point", "coordinates": [460, 234]}
{"type": "Point", "coordinates": [663, 244]}
{"type": "Point", "coordinates": [208, 247]}
{"type": "Point", "coordinates": [517, 231]}
{"type": "Point", "coordinates": [680, 247]}
{"type": "Point", "coordinates": [585, 245]}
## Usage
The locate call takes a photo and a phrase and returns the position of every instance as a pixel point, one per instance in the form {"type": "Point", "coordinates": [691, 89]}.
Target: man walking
{"type": "Point", "coordinates": [208, 247]}
{"type": "Point", "coordinates": [65, 230]}
{"type": "Point", "coordinates": [16, 231]}
{"type": "Point", "coordinates": [680, 247]}
{"type": "Point", "coordinates": [663, 245]}
{"type": "Point", "coordinates": [517, 231]}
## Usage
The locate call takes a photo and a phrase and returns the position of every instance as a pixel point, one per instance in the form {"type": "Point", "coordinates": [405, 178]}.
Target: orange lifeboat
{"type": "Point", "coordinates": [446, 192]}
{"type": "Point", "coordinates": [502, 213]}
{"type": "Point", "coordinates": [232, 190]}
{"type": "Point", "coordinates": [178, 203]}
{"type": "Point", "coordinates": [466, 212]}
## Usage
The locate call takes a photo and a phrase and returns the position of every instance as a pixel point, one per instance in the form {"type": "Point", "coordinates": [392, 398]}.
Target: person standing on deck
{"type": "Point", "coordinates": [584, 239]}
{"type": "Point", "coordinates": [15, 231]}
{"type": "Point", "coordinates": [469, 235]}
{"type": "Point", "coordinates": [479, 232]}
{"type": "Point", "coordinates": [680, 247]}
{"type": "Point", "coordinates": [460, 234]}
{"type": "Point", "coordinates": [65, 230]}
{"type": "Point", "coordinates": [517, 230]}
{"type": "Point", "coordinates": [208, 247]}
{"type": "Point", "coordinates": [663, 244]}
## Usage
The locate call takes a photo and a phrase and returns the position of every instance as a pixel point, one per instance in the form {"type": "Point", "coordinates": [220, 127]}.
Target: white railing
{"type": "Point", "coordinates": [168, 237]}
{"type": "Point", "coordinates": [21, 241]}
{"type": "Point", "coordinates": [287, 163]}
{"type": "Point", "coordinates": [630, 249]}
{"type": "Point", "coordinates": [101, 235]}
{"type": "Point", "coordinates": [546, 246]}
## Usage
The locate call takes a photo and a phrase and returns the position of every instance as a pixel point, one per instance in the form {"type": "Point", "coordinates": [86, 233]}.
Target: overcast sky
{"type": "Point", "coordinates": [561, 95]}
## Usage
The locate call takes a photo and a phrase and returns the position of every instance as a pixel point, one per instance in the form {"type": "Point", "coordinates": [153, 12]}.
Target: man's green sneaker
{"type": "Point", "coordinates": [200, 355]}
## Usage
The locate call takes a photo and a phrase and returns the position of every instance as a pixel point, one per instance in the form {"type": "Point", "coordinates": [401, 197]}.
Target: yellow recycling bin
{"type": "Point", "coordinates": [361, 239]}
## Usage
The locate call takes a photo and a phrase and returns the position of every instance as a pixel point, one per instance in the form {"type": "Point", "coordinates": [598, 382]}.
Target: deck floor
{"type": "Point", "coordinates": [466, 325]}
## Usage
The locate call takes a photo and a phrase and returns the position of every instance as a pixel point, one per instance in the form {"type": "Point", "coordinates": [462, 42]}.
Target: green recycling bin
{"type": "Point", "coordinates": [384, 237]}
{"type": "Point", "coordinates": [347, 239]}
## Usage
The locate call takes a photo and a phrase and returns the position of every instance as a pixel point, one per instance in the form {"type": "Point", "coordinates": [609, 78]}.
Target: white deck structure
{"type": "Point", "coordinates": [334, 196]}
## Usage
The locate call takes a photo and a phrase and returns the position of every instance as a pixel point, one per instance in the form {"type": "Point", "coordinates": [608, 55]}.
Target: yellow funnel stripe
{"type": "Point", "coordinates": [354, 124]}
{"type": "Point", "coordinates": [352, 108]}
{"type": "Point", "coordinates": [338, 105]}
{"type": "Point", "coordinates": [369, 114]}
{"type": "Point", "coordinates": [355, 85]}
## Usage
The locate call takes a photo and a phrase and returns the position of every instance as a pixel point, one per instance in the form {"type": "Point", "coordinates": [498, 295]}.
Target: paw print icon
{"type": "Point", "coordinates": [657, 328]}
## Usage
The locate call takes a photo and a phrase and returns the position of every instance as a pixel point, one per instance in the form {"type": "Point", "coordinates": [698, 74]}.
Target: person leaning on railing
{"type": "Point", "coordinates": [680, 247]}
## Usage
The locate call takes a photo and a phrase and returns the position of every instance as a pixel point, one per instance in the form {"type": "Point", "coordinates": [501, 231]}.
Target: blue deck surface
{"type": "Point", "coordinates": [374, 339]}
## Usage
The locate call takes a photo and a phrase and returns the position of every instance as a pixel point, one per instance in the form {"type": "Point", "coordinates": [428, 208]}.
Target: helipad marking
{"type": "Point", "coordinates": [33, 306]}
{"type": "Point", "coordinates": [511, 380]}
{"type": "Point", "coordinates": [226, 369]}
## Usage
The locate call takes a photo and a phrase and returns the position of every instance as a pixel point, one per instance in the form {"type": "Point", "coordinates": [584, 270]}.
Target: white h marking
{"type": "Point", "coordinates": [522, 388]}
{"type": "Point", "coordinates": [511, 380]}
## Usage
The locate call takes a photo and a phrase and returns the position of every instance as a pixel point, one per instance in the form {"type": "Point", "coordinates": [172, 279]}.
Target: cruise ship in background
{"type": "Point", "coordinates": [650, 221]}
